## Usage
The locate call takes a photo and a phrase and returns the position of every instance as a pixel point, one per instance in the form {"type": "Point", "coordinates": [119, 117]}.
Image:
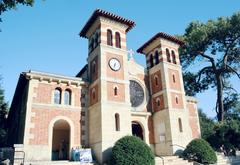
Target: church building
{"type": "Point", "coordinates": [111, 96]}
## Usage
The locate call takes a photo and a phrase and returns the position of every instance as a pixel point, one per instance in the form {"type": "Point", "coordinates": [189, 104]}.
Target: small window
{"type": "Point", "coordinates": [151, 60]}
{"type": "Point", "coordinates": [156, 57]}
{"type": "Point", "coordinates": [91, 44]}
{"type": "Point", "coordinates": [93, 94]}
{"type": "Point", "coordinates": [118, 40]}
{"type": "Point", "coordinates": [180, 125]}
{"type": "Point", "coordinates": [117, 122]}
{"type": "Point", "coordinates": [96, 39]}
{"type": "Point", "coordinates": [168, 55]}
{"type": "Point", "coordinates": [67, 97]}
{"type": "Point", "coordinates": [93, 67]}
{"type": "Point", "coordinates": [158, 102]}
{"type": "Point", "coordinates": [156, 80]}
{"type": "Point", "coordinates": [174, 57]}
{"type": "Point", "coordinates": [115, 91]}
{"type": "Point", "coordinates": [176, 99]}
{"type": "Point", "coordinates": [109, 37]}
{"type": "Point", "coordinates": [57, 96]}
{"type": "Point", "coordinates": [174, 79]}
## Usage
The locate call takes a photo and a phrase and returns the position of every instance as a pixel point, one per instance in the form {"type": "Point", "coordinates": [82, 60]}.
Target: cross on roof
{"type": "Point", "coordinates": [131, 52]}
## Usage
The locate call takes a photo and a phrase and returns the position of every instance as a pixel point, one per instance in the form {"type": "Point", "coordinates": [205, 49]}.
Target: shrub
{"type": "Point", "coordinates": [132, 150]}
{"type": "Point", "coordinates": [200, 151]}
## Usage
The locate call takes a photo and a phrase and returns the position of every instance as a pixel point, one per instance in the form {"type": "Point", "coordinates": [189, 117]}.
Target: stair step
{"type": "Point", "coordinates": [56, 163]}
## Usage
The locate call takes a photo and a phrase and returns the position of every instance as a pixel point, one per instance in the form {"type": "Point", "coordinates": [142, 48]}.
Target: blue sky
{"type": "Point", "coordinates": [45, 37]}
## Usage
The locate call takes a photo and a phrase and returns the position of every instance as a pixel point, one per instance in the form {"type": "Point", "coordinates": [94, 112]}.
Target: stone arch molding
{"type": "Point", "coordinates": [50, 131]}
{"type": "Point", "coordinates": [142, 126]}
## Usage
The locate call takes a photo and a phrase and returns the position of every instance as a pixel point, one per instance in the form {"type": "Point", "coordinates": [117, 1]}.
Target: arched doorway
{"type": "Point", "coordinates": [137, 130]}
{"type": "Point", "coordinates": [60, 140]}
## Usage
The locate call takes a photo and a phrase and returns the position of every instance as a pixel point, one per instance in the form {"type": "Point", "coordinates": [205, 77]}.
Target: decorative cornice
{"type": "Point", "coordinates": [160, 35]}
{"type": "Point", "coordinates": [108, 15]}
{"type": "Point", "coordinates": [49, 77]}
{"type": "Point", "coordinates": [191, 99]}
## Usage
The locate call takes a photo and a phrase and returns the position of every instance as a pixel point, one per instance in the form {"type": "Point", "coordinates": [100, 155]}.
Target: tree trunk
{"type": "Point", "coordinates": [220, 106]}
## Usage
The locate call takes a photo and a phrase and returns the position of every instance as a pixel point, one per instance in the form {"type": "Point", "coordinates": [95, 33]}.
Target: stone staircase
{"type": "Point", "coordinates": [56, 163]}
{"type": "Point", "coordinates": [227, 160]}
{"type": "Point", "coordinates": [171, 160]}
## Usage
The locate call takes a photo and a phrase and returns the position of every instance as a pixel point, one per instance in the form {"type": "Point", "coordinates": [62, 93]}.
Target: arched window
{"type": "Point", "coordinates": [109, 37]}
{"type": "Point", "coordinates": [117, 122]}
{"type": "Point", "coordinates": [57, 96]}
{"type": "Point", "coordinates": [173, 77]}
{"type": "Point", "coordinates": [93, 94]}
{"type": "Point", "coordinates": [96, 39]}
{"type": "Point", "coordinates": [115, 91]}
{"type": "Point", "coordinates": [156, 57]}
{"type": "Point", "coordinates": [67, 97]}
{"type": "Point", "coordinates": [118, 40]}
{"type": "Point", "coordinates": [156, 80]}
{"type": "Point", "coordinates": [158, 102]}
{"type": "Point", "coordinates": [92, 44]}
{"type": "Point", "coordinates": [168, 55]}
{"type": "Point", "coordinates": [151, 60]}
{"type": "Point", "coordinates": [93, 67]}
{"type": "Point", "coordinates": [180, 125]}
{"type": "Point", "coordinates": [176, 99]}
{"type": "Point", "coordinates": [174, 57]}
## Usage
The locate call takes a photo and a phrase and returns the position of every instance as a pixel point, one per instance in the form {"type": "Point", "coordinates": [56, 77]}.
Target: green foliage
{"type": "Point", "coordinates": [207, 125]}
{"type": "Point", "coordinates": [211, 56]}
{"type": "Point", "coordinates": [132, 150]}
{"type": "Point", "coordinates": [227, 134]}
{"type": "Point", "coordinates": [200, 151]}
{"type": "Point", "coordinates": [6, 5]}
{"type": "Point", "coordinates": [3, 119]}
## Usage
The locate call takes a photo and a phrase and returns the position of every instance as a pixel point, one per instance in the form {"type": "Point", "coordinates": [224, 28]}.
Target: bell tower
{"type": "Point", "coordinates": [109, 109]}
{"type": "Point", "coordinates": [170, 115]}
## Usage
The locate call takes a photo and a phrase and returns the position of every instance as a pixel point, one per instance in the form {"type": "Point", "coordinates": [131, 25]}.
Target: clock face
{"type": "Point", "coordinates": [114, 64]}
{"type": "Point", "coordinates": [136, 93]}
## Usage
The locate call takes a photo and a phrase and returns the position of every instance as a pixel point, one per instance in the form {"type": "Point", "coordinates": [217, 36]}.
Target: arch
{"type": "Point", "coordinates": [151, 60]}
{"type": "Point", "coordinates": [180, 125]}
{"type": "Point", "coordinates": [96, 39]}
{"type": "Point", "coordinates": [156, 80]}
{"type": "Point", "coordinates": [118, 40]}
{"type": "Point", "coordinates": [67, 97]}
{"type": "Point", "coordinates": [91, 44]}
{"type": "Point", "coordinates": [51, 134]}
{"type": "Point", "coordinates": [109, 37]}
{"type": "Point", "coordinates": [156, 57]}
{"type": "Point", "coordinates": [174, 79]}
{"type": "Point", "coordinates": [158, 102]}
{"type": "Point", "coordinates": [137, 129]}
{"type": "Point", "coordinates": [168, 55]}
{"type": "Point", "coordinates": [115, 90]}
{"type": "Point", "coordinates": [176, 99]}
{"type": "Point", "coordinates": [57, 95]}
{"type": "Point", "coordinates": [173, 57]}
{"type": "Point", "coordinates": [117, 122]}
{"type": "Point", "coordinates": [94, 67]}
{"type": "Point", "coordinates": [93, 93]}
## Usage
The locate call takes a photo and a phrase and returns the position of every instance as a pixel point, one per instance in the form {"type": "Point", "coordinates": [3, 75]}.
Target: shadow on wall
{"type": "Point", "coordinates": [107, 156]}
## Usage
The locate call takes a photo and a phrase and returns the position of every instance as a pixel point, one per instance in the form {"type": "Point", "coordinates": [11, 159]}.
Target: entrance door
{"type": "Point", "coordinates": [137, 130]}
{"type": "Point", "coordinates": [61, 140]}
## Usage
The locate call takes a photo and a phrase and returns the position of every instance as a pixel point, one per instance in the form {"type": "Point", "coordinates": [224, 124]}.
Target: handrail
{"type": "Point", "coordinates": [185, 148]}
{"type": "Point", "coordinates": [178, 146]}
{"type": "Point", "coordinates": [20, 158]}
{"type": "Point", "coordinates": [161, 158]}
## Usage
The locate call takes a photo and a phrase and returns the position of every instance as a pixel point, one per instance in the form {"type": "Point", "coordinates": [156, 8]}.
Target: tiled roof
{"type": "Point", "coordinates": [160, 35]}
{"type": "Point", "coordinates": [106, 14]}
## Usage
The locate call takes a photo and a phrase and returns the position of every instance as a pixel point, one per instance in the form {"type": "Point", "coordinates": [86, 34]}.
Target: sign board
{"type": "Point", "coordinates": [85, 156]}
